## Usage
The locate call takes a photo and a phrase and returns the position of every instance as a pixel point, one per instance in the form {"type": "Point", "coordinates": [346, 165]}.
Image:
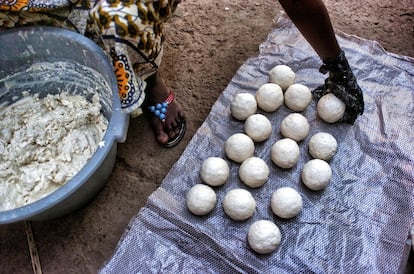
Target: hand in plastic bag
{"type": "Point", "coordinates": [342, 83]}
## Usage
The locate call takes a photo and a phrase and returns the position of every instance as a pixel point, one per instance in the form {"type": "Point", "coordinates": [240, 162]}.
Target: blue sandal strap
{"type": "Point", "coordinates": [160, 109]}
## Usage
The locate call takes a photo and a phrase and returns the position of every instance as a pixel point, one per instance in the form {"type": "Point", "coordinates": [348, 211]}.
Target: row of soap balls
{"type": "Point", "coordinates": [283, 89]}
{"type": "Point", "coordinates": [329, 107]}
{"type": "Point", "coordinates": [285, 153]}
{"type": "Point", "coordinates": [239, 204]}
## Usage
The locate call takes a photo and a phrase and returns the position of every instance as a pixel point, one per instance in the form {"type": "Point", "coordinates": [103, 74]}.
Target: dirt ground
{"type": "Point", "coordinates": [207, 41]}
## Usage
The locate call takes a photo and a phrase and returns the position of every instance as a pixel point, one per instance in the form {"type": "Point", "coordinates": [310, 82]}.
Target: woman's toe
{"type": "Point", "coordinates": [172, 133]}
{"type": "Point", "coordinates": [162, 137]}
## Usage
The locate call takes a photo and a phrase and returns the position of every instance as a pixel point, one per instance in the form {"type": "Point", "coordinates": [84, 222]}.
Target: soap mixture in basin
{"type": "Point", "coordinates": [44, 143]}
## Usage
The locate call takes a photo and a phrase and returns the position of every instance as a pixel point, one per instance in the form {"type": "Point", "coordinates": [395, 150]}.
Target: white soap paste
{"type": "Point", "coordinates": [44, 143]}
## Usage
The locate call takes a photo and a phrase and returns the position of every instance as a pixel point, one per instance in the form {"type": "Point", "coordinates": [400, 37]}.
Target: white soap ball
{"type": "Point", "coordinates": [254, 172]}
{"type": "Point", "coordinates": [269, 97]}
{"type": "Point", "coordinates": [214, 171]}
{"type": "Point", "coordinates": [286, 202]}
{"type": "Point", "coordinates": [295, 126]}
{"type": "Point", "coordinates": [283, 76]}
{"type": "Point", "coordinates": [322, 145]}
{"type": "Point", "coordinates": [258, 127]}
{"type": "Point", "coordinates": [330, 108]}
{"type": "Point", "coordinates": [201, 199]}
{"type": "Point", "coordinates": [264, 236]}
{"type": "Point", "coordinates": [298, 97]}
{"type": "Point", "coordinates": [239, 204]}
{"type": "Point", "coordinates": [239, 147]}
{"type": "Point", "coordinates": [285, 153]}
{"type": "Point", "coordinates": [316, 174]}
{"type": "Point", "coordinates": [243, 105]}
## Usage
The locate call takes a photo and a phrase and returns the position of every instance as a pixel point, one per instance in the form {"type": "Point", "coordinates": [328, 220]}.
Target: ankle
{"type": "Point", "coordinates": [153, 80]}
{"type": "Point", "coordinates": [156, 89]}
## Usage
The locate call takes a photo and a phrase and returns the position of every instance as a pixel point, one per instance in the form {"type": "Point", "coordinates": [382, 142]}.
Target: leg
{"type": "Point", "coordinates": [170, 131]}
{"type": "Point", "coordinates": [134, 37]}
{"type": "Point", "coordinates": [156, 92]}
{"type": "Point", "coordinates": [312, 20]}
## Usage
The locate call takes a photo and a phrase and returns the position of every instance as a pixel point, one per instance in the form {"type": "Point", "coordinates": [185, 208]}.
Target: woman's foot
{"type": "Point", "coordinates": [168, 130]}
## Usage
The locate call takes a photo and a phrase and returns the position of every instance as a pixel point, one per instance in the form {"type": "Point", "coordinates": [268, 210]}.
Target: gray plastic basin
{"type": "Point", "coordinates": [44, 60]}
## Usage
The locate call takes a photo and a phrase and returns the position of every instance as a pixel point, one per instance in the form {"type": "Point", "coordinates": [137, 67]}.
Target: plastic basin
{"type": "Point", "coordinates": [47, 60]}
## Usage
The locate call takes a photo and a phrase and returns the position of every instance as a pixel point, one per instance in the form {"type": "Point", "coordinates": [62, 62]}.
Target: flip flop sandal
{"type": "Point", "coordinates": [160, 111]}
{"type": "Point", "coordinates": [174, 141]}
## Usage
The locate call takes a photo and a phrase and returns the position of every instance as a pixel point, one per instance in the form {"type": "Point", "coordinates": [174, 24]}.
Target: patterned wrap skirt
{"type": "Point", "coordinates": [129, 31]}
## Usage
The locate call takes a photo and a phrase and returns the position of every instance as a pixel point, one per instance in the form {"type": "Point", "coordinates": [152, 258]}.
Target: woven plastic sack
{"type": "Point", "coordinates": [359, 224]}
